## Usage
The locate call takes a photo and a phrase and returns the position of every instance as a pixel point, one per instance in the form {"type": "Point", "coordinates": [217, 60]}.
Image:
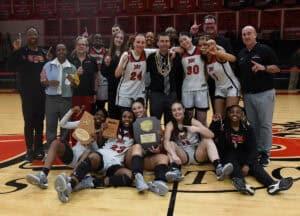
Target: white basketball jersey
{"type": "Point", "coordinates": [222, 74]}
{"type": "Point", "coordinates": [132, 82]}
{"type": "Point", "coordinates": [186, 139]}
{"type": "Point", "coordinates": [118, 146]}
{"type": "Point", "coordinates": [193, 66]}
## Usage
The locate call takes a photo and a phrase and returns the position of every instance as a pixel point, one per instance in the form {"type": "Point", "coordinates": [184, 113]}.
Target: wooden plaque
{"type": "Point", "coordinates": [85, 128]}
{"type": "Point", "coordinates": [147, 131]}
{"type": "Point", "coordinates": [112, 128]}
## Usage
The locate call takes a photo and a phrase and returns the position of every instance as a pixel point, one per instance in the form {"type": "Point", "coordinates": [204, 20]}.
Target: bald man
{"type": "Point", "coordinates": [257, 63]}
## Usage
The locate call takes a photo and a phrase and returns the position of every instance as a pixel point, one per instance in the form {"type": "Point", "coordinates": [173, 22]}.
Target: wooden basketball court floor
{"type": "Point", "coordinates": [198, 194]}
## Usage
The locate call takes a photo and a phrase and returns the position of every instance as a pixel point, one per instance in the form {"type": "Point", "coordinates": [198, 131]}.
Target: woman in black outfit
{"type": "Point", "coordinates": [111, 61]}
{"type": "Point", "coordinates": [237, 145]}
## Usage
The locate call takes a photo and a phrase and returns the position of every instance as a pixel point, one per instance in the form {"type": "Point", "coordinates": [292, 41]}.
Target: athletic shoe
{"type": "Point", "coordinates": [174, 175]}
{"type": "Point", "coordinates": [39, 179]}
{"type": "Point", "coordinates": [86, 183]}
{"type": "Point", "coordinates": [140, 183]}
{"type": "Point", "coordinates": [29, 156]}
{"type": "Point", "coordinates": [281, 185]}
{"type": "Point", "coordinates": [264, 159]}
{"type": "Point", "coordinates": [242, 187]}
{"type": "Point", "coordinates": [39, 154]}
{"type": "Point", "coordinates": [63, 187]}
{"type": "Point", "coordinates": [159, 187]}
{"type": "Point", "coordinates": [223, 171]}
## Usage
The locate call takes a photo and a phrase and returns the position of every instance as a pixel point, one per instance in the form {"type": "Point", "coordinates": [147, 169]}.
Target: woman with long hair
{"type": "Point", "coordinates": [227, 92]}
{"type": "Point", "coordinates": [188, 141]}
{"type": "Point", "coordinates": [111, 61]}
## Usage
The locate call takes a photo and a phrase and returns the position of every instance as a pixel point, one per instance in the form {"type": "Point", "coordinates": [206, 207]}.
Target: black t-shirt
{"type": "Point", "coordinates": [260, 81]}
{"type": "Point", "coordinates": [237, 139]}
{"type": "Point", "coordinates": [28, 64]}
{"type": "Point", "coordinates": [157, 80]}
{"type": "Point", "coordinates": [86, 86]}
{"type": "Point", "coordinates": [109, 73]}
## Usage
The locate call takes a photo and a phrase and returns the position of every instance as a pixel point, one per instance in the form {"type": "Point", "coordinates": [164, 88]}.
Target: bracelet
{"type": "Point", "coordinates": [266, 67]}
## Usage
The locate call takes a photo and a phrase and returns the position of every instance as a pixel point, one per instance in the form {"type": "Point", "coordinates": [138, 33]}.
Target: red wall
{"type": "Point", "coordinates": [65, 18]}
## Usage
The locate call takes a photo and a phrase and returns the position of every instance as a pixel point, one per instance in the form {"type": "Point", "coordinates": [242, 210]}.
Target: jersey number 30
{"type": "Point", "coordinates": [192, 70]}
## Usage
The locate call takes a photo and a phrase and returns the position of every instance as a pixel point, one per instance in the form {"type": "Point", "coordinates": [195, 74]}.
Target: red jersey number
{"type": "Point", "coordinates": [192, 70]}
{"type": "Point", "coordinates": [136, 76]}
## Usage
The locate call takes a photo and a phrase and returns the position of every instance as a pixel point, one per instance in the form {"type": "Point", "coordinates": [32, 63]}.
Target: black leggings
{"type": "Point", "coordinates": [255, 169]}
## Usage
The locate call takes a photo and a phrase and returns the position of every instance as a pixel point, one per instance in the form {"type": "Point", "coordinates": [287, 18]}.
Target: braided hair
{"type": "Point", "coordinates": [244, 123]}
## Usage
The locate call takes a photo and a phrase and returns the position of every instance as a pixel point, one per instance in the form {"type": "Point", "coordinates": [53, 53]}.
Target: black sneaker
{"type": "Point", "coordinates": [39, 154]}
{"type": "Point", "coordinates": [29, 156]}
{"type": "Point", "coordinates": [281, 185]}
{"type": "Point", "coordinates": [242, 187]}
{"type": "Point", "coordinates": [264, 160]}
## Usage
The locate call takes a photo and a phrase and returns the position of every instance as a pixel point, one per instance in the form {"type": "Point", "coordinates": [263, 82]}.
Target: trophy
{"type": "Point", "coordinates": [147, 131]}
{"type": "Point", "coordinates": [85, 128]}
{"type": "Point", "coordinates": [112, 128]}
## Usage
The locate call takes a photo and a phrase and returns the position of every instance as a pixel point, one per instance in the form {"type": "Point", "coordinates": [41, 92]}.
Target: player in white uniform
{"type": "Point", "coordinates": [108, 160]}
{"type": "Point", "coordinates": [194, 87]}
{"type": "Point", "coordinates": [69, 156]}
{"type": "Point", "coordinates": [132, 69]}
{"type": "Point", "coordinates": [184, 145]}
{"type": "Point", "coordinates": [228, 87]}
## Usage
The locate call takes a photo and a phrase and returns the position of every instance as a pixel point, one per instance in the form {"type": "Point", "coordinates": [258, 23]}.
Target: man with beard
{"type": "Point", "coordinates": [28, 61]}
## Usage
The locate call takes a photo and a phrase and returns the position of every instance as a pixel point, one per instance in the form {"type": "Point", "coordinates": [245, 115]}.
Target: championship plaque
{"type": "Point", "coordinates": [85, 128]}
{"type": "Point", "coordinates": [112, 128]}
{"type": "Point", "coordinates": [147, 131]}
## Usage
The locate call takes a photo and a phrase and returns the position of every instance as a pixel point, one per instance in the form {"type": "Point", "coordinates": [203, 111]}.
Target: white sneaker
{"type": "Point", "coordinates": [39, 179]}
{"type": "Point", "coordinates": [140, 183]}
{"type": "Point", "coordinates": [63, 187]}
{"type": "Point", "coordinates": [174, 175]}
{"type": "Point", "coordinates": [159, 187]}
{"type": "Point", "coordinates": [86, 183]}
{"type": "Point", "coordinates": [223, 171]}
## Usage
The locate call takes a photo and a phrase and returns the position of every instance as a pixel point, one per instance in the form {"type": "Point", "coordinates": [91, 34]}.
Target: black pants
{"type": "Point", "coordinates": [256, 170]}
{"type": "Point", "coordinates": [160, 103]}
{"type": "Point", "coordinates": [33, 107]}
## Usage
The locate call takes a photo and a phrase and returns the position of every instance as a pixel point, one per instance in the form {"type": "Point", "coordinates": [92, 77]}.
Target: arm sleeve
{"type": "Point", "coordinates": [65, 123]}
